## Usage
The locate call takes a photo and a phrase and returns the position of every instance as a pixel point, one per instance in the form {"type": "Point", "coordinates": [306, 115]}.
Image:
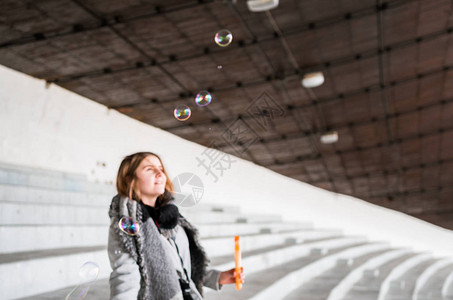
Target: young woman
{"type": "Point", "coordinates": [154, 251]}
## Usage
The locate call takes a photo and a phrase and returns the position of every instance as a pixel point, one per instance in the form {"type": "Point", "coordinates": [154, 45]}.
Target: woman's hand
{"type": "Point", "coordinates": [229, 277]}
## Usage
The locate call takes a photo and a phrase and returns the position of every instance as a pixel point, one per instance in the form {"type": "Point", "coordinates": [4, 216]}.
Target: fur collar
{"type": "Point", "coordinates": [146, 245]}
{"type": "Point", "coordinates": [166, 216]}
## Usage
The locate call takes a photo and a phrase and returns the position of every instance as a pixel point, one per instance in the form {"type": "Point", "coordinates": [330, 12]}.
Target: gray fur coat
{"type": "Point", "coordinates": [157, 276]}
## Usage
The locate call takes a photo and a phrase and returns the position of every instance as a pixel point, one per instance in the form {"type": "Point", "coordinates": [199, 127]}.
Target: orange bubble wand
{"type": "Point", "coordinates": [237, 260]}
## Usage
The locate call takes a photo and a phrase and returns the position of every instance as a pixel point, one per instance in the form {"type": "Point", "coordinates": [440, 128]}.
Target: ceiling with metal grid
{"type": "Point", "coordinates": [388, 89]}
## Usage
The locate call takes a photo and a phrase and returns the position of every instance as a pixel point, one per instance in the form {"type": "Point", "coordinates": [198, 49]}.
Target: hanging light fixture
{"type": "Point", "coordinates": [312, 80]}
{"type": "Point", "coordinates": [261, 5]}
{"type": "Point", "coordinates": [329, 137]}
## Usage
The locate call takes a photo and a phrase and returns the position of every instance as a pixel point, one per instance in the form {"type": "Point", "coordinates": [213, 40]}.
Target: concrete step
{"type": "Point", "coordinates": [45, 271]}
{"type": "Point", "coordinates": [66, 225]}
{"type": "Point", "coordinates": [403, 286]}
{"type": "Point", "coordinates": [320, 286]}
{"type": "Point", "coordinates": [39, 195]}
{"type": "Point", "coordinates": [260, 259]}
{"type": "Point", "coordinates": [98, 290]}
{"type": "Point", "coordinates": [260, 280]}
{"type": "Point", "coordinates": [225, 245]}
{"type": "Point", "coordinates": [447, 288]}
{"type": "Point", "coordinates": [31, 213]}
{"type": "Point", "coordinates": [254, 283]}
{"type": "Point", "coordinates": [49, 179]}
{"type": "Point", "coordinates": [399, 270]}
{"type": "Point", "coordinates": [349, 287]}
{"type": "Point", "coordinates": [231, 229]}
{"type": "Point", "coordinates": [282, 286]}
{"type": "Point", "coordinates": [41, 237]}
{"type": "Point", "coordinates": [199, 218]}
{"type": "Point", "coordinates": [64, 214]}
{"type": "Point", "coordinates": [429, 284]}
{"type": "Point", "coordinates": [211, 207]}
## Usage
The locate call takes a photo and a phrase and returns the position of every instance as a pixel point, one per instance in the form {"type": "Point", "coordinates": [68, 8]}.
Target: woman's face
{"type": "Point", "coordinates": [150, 177]}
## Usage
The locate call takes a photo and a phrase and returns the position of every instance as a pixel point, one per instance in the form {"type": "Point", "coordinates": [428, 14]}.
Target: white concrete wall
{"type": "Point", "coordinates": [52, 128]}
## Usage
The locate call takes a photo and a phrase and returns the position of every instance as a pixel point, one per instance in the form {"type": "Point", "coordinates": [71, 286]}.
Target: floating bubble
{"type": "Point", "coordinates": [117, 252]}
{"type": "Point", "coordinates": [219, 67]}
{"type": "Point", "coordinates": [182, 112]}
{"type": "Point", "coordinates": [88, 274]}
{"type": "Point", "coordinates": [79, 292]}
{"type": "Point", "coordinates": [89, 271]}
{"type": "Point", "coordinates": [223, 38]}
{"type": "Point", "coordinates": [203, 98]}
{"type": "Point", "coordinates": [127, 225]}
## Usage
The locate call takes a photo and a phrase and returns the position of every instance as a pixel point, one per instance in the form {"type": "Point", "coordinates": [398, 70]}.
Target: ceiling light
{"type": "Point", "coordinates": [329, 137]}
{"type": "Point", "coordinates": [312, 80]}
{"type": "Point", "coordinates": [261, 5]}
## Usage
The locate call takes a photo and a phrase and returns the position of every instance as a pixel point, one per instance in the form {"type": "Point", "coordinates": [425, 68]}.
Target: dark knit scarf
{"type": "Point", "coordinates": [147, 250]}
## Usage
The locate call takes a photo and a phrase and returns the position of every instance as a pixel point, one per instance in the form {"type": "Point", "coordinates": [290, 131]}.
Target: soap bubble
{"type": "Point", "coordinates": [79, 292]}
{"type": "Point", "coordinates": [88, 274]}
{"type": "Point", "coordinates": [203, 98]}
{"type": "Point", "coordinates": [89, 271]}
{"type": "Point", "coordinates": [182, 112]}
{"type": "Point", "coordinates": [129, 226]}
{"type": "Point", "coordinates": [223, 38]}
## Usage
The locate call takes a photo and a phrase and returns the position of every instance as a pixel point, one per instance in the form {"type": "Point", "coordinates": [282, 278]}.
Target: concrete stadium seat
{"type": "Point", "coordinates": [51, 223]}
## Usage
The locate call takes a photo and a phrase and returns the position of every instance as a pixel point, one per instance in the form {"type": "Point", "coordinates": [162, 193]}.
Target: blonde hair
{"type": "Point", "coordinates": [127, 176]}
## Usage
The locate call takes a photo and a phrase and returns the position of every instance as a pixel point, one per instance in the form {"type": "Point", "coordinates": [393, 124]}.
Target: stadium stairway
{"type": "Point", "coordinates": [53, 222]}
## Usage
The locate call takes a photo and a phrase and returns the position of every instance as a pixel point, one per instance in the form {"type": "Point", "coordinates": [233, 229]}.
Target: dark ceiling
{"type": "Point", "coordinates": [388, 88]}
